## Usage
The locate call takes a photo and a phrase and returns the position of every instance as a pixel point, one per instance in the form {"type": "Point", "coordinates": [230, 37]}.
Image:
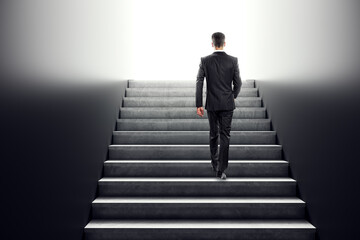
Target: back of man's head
{"type": "Point", "coordinates": [218, 39]}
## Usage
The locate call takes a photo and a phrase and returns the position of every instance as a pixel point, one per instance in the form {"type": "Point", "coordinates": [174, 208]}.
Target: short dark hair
{"type": "Point", "coordinates": [218, 39]}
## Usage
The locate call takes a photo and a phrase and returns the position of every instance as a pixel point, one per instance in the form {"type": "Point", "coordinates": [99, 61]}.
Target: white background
{"type": "Point", "coordinates": [164, 39]}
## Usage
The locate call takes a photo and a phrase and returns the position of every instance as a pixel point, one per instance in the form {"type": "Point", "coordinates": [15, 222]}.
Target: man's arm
{"type": "Point", "coordinates": [237, 79]}
{"type": "Point", "coordinates": [199, 85]}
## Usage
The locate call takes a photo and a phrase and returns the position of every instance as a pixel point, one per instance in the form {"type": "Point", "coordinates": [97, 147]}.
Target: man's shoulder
{"type": "Point", "coordinates": [215, 55]}
{"type": "Point", "coordinates": [231, 57]}
{"type": "Point", "coordinates": [207, 56]}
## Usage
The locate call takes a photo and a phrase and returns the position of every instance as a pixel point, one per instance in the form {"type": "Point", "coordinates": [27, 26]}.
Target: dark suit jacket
{"type": "Point", "coordinates": [220, 70]}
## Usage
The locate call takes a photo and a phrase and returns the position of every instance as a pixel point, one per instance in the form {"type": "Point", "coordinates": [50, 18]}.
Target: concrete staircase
{"type": "Point", "coordinates": [158, 182]}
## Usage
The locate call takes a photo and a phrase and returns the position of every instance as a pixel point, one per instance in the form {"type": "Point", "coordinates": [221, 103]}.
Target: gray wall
{"type": "Point", "coordinates": [318, 126]}
{"type": "Point", "coordinates": [54, 141]}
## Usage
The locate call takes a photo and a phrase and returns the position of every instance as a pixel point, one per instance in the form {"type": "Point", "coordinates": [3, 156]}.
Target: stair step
{"type": "Point", "coordinates": [189, 125]}
{"type": "Point", "coordinates": [184, 112]}
{"type": "Point", "coordinates": [190, 137]}
{"type": "Point", "coordinates": [177, 84]}
{"type": "Point", "coordinates": [179, 92]}
{"type": "Point", "coordinates": [185, 152]}
{"type": "Point", "coordinates": [183, 101]}
{"type": "Point", "coordinates": [193, 168]}
{"type": "Point", "coordinates": [197, 208]}
{"type": "Point", "coordinates": [209, 229]}
{"type": "Point", "coordinates": [197, 186]}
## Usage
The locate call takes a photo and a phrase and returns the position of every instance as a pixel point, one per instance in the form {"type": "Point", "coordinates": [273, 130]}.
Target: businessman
{"type": "Point", "coordinates": [220, 71]}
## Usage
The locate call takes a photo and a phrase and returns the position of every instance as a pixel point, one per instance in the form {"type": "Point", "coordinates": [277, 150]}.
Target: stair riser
{"type": "Point", "coordinates": [188, 125]}
{"type": "Point", "coordinates": [177, 84]}
{"type": "Point", "coordinates": [185, 188]}
{"type": "Point", "coordinates": [192, 152]}
{"type": "Point", "coordinates": [198, 210]}
{"type": "Point", "coordinates": [181, 102]}
{"type": "Point", "coordinates": [194, 170]}
{"type": "Point", "coordinates": [191, 137]}
{"type": "Point", "coordinates": [178, 113]}
{"type": "Point", "coordinates": [199, 234]}
{"type": "Point", "coordinates": [181, 92]}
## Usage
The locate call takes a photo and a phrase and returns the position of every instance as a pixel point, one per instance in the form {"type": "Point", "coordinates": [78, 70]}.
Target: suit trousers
{"type": "Point", "coordinates": [220, 125]}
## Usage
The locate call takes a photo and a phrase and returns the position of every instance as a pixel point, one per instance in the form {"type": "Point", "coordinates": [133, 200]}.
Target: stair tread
{"type": "Point", "coordinates": [180, 108]}
{"type": "Point", "coordinates": [190, 119]}
{"type": "Point", "coordinates": [194, 161]}
{"type": "Point", "coordinates": [186, 97]}
{"type": "Point", "coordinates": [192, 145]}
{"type": "Point", "coordinates": [203, 223]}
{"type": "Point", "coordinates": [196, 179]}
{"type": "Point", "coordinates": [178, 81]}
{"type": "Point", "coordinates": [186, 88]}
{"type": "Point", "coordinates": [195, 131]}
{"type": "Point", "coordinates": [198, 200]}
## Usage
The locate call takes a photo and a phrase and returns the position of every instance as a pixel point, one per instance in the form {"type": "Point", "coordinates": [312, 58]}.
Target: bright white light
{"type": "Point", "coordinates": [164, 39]}
{"type": "Point", "coordinates": [279, 39]}
{"type": "Point", "coordinates": [171, 36]}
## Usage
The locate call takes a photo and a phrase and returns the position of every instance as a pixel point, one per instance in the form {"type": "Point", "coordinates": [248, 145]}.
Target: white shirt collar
{"type": "Point", "coordinates": [219, 50]}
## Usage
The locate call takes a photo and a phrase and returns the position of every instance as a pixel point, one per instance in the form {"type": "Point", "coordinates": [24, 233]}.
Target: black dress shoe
{"type": "Point", "coordinates": [221, 175]}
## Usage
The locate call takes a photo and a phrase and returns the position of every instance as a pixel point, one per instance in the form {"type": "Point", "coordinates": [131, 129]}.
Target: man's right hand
{"type": "Point", "coordinates": [200, 111]}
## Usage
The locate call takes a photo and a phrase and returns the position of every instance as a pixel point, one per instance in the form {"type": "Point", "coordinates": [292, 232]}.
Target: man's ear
{"type": "Point", "coordinates": [224, 44]}
{"type": "Point", "coordinates": [212, 44]}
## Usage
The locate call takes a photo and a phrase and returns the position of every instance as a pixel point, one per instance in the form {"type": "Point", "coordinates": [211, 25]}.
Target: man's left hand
{"type": "Point", "coordinates": [200, 111]}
